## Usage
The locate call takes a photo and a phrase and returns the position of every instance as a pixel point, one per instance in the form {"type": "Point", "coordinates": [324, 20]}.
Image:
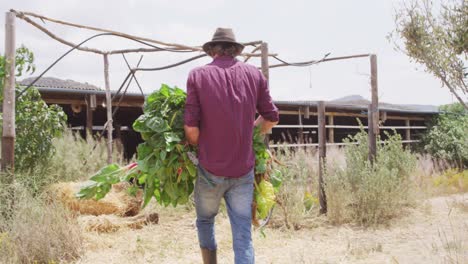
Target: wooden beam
{"type": "Point", "coordinates": [8, 106]}
{"type": "Point", "coordinates": [408, 129]}
{"type": "Point", "coordinates": [109, 109]}
{"type": "Point", "coordinates": [89, 118]}
{"type": "Point", "coordinates": [322, 156]}
{"type": "Point", "coordinates": [389, 117]}
{"type": "Point", "coordinates": [331, 129]}
{"type": "Point", "coordinates": [301, 128]}
{"type": "Point", "coordinates": [371, 135]}
{"type": "Point", "coordinates": [373, 109]}
{"type": "Point", "coordinates": [306, 112]}
{"type": "Point", "coordinates": [266, 73]}
{"type": "Point", "coordinates": [79, 101]}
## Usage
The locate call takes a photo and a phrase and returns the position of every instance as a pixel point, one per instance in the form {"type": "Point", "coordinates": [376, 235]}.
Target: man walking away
{"type": "Point", "coordinates": [222, 99]}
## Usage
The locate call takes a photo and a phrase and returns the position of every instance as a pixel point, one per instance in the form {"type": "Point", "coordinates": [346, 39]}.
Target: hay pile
{"type": "Point", "coordinates": [117, 202]}
{"type": "Point", "coordinates": [112, 223]}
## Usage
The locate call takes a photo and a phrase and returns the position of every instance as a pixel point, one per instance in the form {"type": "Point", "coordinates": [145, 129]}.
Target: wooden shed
{"type": "Point", "coordinates": [85, 107]}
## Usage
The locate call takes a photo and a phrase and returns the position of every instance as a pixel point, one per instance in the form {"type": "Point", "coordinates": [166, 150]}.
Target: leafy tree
{"type": "Point", "coordinates": [36, 123]}
{"type": "Point", "coordinates": [448, 136]}
{"type": "Point", "coordinates": [437, 38]}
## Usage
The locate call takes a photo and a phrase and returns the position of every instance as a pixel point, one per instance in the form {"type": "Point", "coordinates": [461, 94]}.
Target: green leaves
{"type": "Point", "coordinates": [36, 123]}
{"type": "Point", "coordinates": [101, 182]}
{"type": "Point", "coordinates": [169, 174]}
{"type": "Point", "coordinates": [265, 198]}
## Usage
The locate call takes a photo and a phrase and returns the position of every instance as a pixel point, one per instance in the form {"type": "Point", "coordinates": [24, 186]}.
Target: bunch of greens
{"type": "Point", "coordinates": [267, 179]}
{"type": "Point", "coordinates": [163, 165]}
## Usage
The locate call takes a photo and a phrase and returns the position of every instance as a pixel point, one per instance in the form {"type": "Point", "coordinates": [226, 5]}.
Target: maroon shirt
{"type": "Point", "coordinates": [222, 99]}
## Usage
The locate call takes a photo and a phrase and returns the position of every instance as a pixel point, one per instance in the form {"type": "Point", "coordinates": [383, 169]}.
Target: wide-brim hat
{"type": "Point", "coordinates": [223, 35]}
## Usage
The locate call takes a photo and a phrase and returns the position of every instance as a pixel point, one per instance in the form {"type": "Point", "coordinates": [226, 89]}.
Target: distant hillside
{"type": "Point", "coordinates": [359, 100]}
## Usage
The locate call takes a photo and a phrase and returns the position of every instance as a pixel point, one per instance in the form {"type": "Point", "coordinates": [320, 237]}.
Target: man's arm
{"type": "Point", "coordinates": [192, 134]}
{"type": "Point", "coordinates": [265, 125]}
{"type": "Point", "coordinates": [269, 115]}
{"type": "Point", "coordinates": [192, 112]}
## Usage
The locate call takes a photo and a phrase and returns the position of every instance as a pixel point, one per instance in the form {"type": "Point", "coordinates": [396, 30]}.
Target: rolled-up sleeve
{"type": "Point", "coordinates": [265, 106]}
{"type": "Point", "coordinates": [192, 104]}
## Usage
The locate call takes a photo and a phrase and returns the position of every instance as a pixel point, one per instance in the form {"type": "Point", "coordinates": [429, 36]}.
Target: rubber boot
{"type": "Point", "coordinates": [209, 256]}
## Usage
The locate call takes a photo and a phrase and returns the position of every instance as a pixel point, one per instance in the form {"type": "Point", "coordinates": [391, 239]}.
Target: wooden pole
{"type": "Point", "coordinates": [322, 155]}
{"type": "Point", "coordinates": [371, 134]}
{"type": "Point", "coordinates": [331, 131]}
{"type": "Point", "coordinates": [407, 130]}
{"type": "Point", "coordinates": [89, 118]}
{"type": "Point", "coordinates": [374, 109]}
{"type": "Point", "coordinates": [266, 73]}
{"type": "Point", "coordinates": [8, 106]}
{"type": "Point", "coordinates": [109, 109]}
{"type": "Point", "coordinates": [264, 61]}
{"type": "Point", "coordinates": [300, 130]}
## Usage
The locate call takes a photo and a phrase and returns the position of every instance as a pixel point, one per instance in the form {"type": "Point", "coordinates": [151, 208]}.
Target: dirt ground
{"type": "Point", "coordinates": [435, 232]}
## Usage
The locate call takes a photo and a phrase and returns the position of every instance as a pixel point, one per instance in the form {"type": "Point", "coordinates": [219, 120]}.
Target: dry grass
{"type": "Point", "coordinates": [113, 223]}
{"type": "Point", "coordinates": [37, 232]}
{"type": "Point", "coordinates": [174, 240]}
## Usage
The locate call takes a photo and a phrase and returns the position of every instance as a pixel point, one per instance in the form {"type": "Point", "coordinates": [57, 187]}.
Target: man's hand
{"type": "Point", "coordinates": [192, 134]}
{"type": "Point", "coordinates": [265, 125]}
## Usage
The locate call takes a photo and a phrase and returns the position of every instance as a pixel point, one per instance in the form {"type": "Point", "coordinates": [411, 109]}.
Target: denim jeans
{"type": "Point", "coordinates": [238, 195]}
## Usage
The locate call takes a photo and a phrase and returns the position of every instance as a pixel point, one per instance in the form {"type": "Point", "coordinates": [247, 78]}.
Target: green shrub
{"type": "Point", "coordinates": [36, 123]}
{"type": "Point", "coordinates": [367, 193]}
{"type": "Point", "coordinates": [447, 137]}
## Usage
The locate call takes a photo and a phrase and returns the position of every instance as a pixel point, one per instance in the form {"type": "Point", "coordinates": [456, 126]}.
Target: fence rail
{"type": "Point", "coordinates": [330, 144]}
{"type": "Point", "coordinates": [350, 127]}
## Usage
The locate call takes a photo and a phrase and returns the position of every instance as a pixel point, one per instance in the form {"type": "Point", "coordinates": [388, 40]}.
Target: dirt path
{"type": "Point", "coordinates": [436, 232]}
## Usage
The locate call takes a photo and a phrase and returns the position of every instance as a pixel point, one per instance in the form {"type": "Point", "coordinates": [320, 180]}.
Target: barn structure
{"type": "Point", "coordinates": [85, 107]}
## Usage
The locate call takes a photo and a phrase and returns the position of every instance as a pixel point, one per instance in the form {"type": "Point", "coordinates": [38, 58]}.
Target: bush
{"type": "Point", "coordinates": [33, 231]}
{"type": "Point", "coordinates": [366, 193]}
{"type": "Point", "coordinates": [74, 159]}
{"type": "Point", "coordinates": [36, 123]}
{"type": "Point", "coordinates": [298, 195]}
{"type": "Point", "coordinates": [447, 137]}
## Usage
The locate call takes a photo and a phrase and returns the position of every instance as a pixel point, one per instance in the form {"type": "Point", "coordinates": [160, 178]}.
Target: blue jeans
{"type": "Point", "coordinates": [238, 195]}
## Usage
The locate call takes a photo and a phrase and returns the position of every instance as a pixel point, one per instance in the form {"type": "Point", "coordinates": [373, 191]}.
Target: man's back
{"type": "Point", "coordinates": [222, 98]}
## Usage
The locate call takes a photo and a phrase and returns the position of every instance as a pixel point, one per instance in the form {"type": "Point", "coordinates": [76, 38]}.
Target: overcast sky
{"type": "Point", "coordinates": [296, 30]}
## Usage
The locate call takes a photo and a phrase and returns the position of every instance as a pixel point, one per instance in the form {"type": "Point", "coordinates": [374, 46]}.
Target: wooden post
{"type": "Point", "coordinates": [371, 134]}
{"type": "Point", "coordinates": [331, 130]}
{"type": "Point", "coordinates": [374, 109]}
{"type": "Point", "coordinates": [109, 109]}
{"type": "Point", "coordinates": [8, 107]}
{"type": "Point", "coordinates": [89, 118]}
{"type": "Point", "coordinates": [264, 61]}
{"type": "Point", "coordinates": [322, 155]}
{"type": "Point", "coordinates": [300, 130]}
{"type": "Point", "coordinates": [266, 73]}
{"type": "Point", "coordinates": [407, 130]}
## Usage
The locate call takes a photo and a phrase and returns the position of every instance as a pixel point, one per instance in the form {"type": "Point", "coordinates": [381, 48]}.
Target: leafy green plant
{"type": "Point", "coordinates": [370, 193]}
{"type": "Point", "coordinates": [36, 123]}
{"type": "Point", "coordinates": [447, 137]}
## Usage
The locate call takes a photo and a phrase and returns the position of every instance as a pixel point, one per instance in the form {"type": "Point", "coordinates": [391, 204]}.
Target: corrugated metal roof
{"type": "Point", "coordinates": [363, 106]}
{"type": "Point", "coordinates": [51, 82]}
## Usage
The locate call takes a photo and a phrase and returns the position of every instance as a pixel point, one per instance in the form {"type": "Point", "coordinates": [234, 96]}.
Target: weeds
{"type": "Point", "coordinates": [74, 159]}
{"type": "Point", "coordinates": [32, 231]}
{"type": "Point", "coordinates": [370, 193]}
